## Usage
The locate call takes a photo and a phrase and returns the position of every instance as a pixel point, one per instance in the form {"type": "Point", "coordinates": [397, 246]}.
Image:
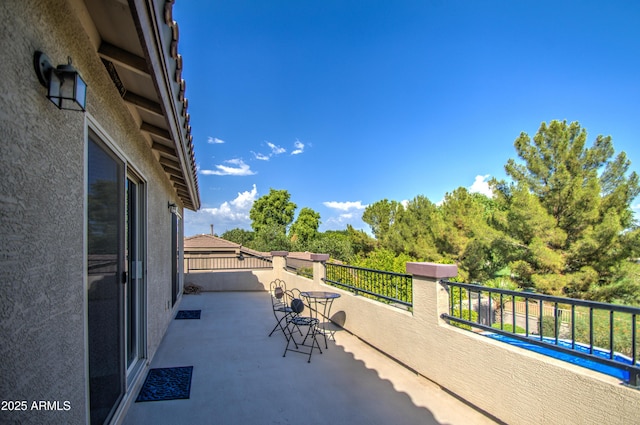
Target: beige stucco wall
{"type": "Point", "coordinates": [42, 300]}
{"type": "Point", "coordinates": [42, 214]}
{"type": "Point", "coordinates": [515, 385]}
{"type": "Point", "coordinates": [237, 280]}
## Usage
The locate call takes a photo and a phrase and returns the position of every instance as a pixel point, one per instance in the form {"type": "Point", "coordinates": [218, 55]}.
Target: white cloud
{"type": "Point", "coordinates": [344, 206]}
{"type": "Point", "coordinates": [229, 215]}
{"type": "Point", "coordinates": [299, 147]}
{"type": "Point", "coordinates": [215, 141]}
{"type": "Point", "coordinates": [238, 168]}
{"type": "Point", "coordinates": [635, 207]}
{"type": "Point", "coordinates": [244, 201]}
{"type": "Point", "coordinates": [481, 185]}
{"type": "Point", "coordinates": [341, 221]}
{"type": "Point", "coordinates": [260, 156]}
{"type": "Point", "coordinates": [275, 149]}
{"type": "Point", "coordinates": [348, 213]}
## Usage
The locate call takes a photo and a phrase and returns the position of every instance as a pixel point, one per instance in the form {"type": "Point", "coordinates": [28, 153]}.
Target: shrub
{"type": "Point", "coordinates": [508, 327]}
{"type": "Point", "coordinates": [466, 315]}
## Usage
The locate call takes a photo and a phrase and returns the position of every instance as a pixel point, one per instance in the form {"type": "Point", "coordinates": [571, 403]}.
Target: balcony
{"type": "Point", "coordinates": [240, 376]}
{"type": "Point", "coordinates": [386, 365]}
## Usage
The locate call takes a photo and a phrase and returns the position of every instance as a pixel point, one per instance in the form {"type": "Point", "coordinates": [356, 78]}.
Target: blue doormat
{"type": "Point", "coordinates": [170, 383]}
{"type": "Point", "coordinates": [188, 314]}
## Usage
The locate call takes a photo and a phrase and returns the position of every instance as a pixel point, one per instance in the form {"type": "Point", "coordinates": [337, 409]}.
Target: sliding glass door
{"type": "Point", "coordinates": [116, 271]}
{"type": "Point", "coordinates": [105, 279]}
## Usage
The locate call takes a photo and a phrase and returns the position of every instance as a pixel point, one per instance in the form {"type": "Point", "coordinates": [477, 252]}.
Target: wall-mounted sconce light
{"type": "Point", "coordinates": [173, 208]}
{"type": "Point", "coordinates": [240, 257]}
{"type": "Point", "coordinates": [66, 88]}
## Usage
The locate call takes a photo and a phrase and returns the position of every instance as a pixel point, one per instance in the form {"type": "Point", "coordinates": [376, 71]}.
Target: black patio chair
{"type": "Point", "coordinates": [294, 322]}
{"type": "Point", "coordinates": [280, 301]}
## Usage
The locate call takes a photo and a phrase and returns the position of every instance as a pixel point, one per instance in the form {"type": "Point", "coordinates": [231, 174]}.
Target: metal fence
{"type": "Point", "coordinates": [605, 333]}
{"type": "Point", "coordinates": [210, 263]}
{"type": "Point", "coordinates": [383, 286]}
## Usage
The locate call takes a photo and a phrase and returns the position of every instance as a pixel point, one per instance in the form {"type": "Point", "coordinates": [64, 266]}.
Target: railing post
{"type": "Point", "coordinates": [319, 270]}
{"type": "Point", "coordinates": [279, 259]}
{"type": "Point", "coordinates": [430, 296]}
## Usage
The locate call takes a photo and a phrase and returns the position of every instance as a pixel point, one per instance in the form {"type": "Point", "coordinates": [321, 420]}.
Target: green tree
{"type": "Point", "coordinates": [381, 216]}
{"type": "Point", "coordinates": [569, 210]}
{"type": "Point", "coordinates": [336, 244]}
{"type": "Point", "coordinates": [463, 234]}
{"type": "Point", "coordinates": [461, 218]}
{"type": "Point", "coordinates": [274, 210]}
{"type": "Point", "coordinates": [361, 242]}
{"type": "Point", "coordinates": [237, 235]}
{"type": "Point", "coordinates": [412, 232]}
{"type": "Point", "coordinates": [305, 228]}
{"type": "Point", "coordinates": [385, 260]}
{"type": "Point", "coordinates": [270, 238]}
{"type": "Point", "coordinates": [270, 216]}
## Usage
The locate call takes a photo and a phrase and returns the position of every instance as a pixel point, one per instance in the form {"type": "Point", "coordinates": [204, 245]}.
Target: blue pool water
{"type": "Point", "coordinates": [589, 364]}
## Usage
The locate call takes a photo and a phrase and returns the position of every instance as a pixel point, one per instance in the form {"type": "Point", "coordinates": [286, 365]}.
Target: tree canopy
{"type": "Point", "coordinates": [562, 224]}
{"type": "Point", "coordinates": [272, 211]}
{"type": "Point", "coordinates": [569, 211]}
{"type": "Point", "coordinates": [305, 228]}
{"type": "Point", "coordinates": [241, 236]}
{"type": "Point", "coordinates": [272, 215]}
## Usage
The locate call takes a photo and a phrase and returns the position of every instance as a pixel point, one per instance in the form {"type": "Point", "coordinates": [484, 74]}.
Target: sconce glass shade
{"type": "Point", "coordinates": [67, 89]}
{"type": "Point", "coordinates": [173, 209]}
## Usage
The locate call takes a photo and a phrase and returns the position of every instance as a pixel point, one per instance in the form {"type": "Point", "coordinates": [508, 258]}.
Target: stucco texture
{"type": "Point", "coordinates": [43, 302]}
{"type": "Point", "coordinates": [41, 218]}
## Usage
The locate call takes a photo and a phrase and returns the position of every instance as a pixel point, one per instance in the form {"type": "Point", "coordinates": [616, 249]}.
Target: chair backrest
{"type": "Point", "coordinates": [277, 286]}
{"type": "Point", "coordinates": [294, 293]}
{"type": "Point", "coordinates": [278, 290]}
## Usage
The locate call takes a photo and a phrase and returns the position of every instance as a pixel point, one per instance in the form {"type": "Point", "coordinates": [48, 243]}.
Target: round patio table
{"type": "Point", "coordinates": [325, 300]}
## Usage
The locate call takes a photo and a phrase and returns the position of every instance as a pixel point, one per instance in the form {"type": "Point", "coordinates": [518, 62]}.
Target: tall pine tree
{"type": "Point", "coordinates": [569, 211]}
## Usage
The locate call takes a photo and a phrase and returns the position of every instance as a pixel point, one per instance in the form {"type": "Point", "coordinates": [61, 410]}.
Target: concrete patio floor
{"type": "Point", "coordinates": [241, 377]}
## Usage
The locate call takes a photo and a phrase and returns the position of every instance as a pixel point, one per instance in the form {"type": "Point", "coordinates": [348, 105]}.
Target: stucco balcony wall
{"type": "Point", "coordinates": [230, 280]}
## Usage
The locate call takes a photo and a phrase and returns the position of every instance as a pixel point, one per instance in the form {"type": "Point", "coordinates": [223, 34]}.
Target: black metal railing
{"type": "Point", "coordinates": [383, 286]}
{"type": "Point", "coordinates": [604, 333]}
{"type": "Point", "coordinates": [210, 263]}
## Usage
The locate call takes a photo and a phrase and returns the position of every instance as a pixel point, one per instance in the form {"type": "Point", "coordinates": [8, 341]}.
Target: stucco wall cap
{"type": "Point", "coordinates": [279, 253]}
{"type": "Point", "coordinates": [432, 270]}
{"type": "Point", "coordinates": [319, 257]}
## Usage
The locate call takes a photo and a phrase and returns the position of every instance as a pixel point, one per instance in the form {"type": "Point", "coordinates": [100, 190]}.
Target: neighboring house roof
{"type": "Point", "coordinates": [300, 255]}
{"type": "Point", "coordinates": [137, 42]}
{"type": "Point", "coordinates": [208, 243]}
{"type": "Point", "coordinates": [211, 243]}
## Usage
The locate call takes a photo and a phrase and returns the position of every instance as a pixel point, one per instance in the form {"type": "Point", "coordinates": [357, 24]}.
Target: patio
{"type": "Point", "coordinates": [240, 376]}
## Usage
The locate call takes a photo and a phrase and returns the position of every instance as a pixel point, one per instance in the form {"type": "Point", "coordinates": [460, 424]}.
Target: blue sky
{"type": "Point", "coordinates": [344, 103]}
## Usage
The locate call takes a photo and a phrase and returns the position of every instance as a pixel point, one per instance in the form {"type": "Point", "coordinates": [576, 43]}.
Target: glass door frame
{"type": "Point", "coordinates": [103, 363]}
{"type": "Point", "coordinates": [129, 373]}
{"type": "Point", "coordinates": [136, 276]}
